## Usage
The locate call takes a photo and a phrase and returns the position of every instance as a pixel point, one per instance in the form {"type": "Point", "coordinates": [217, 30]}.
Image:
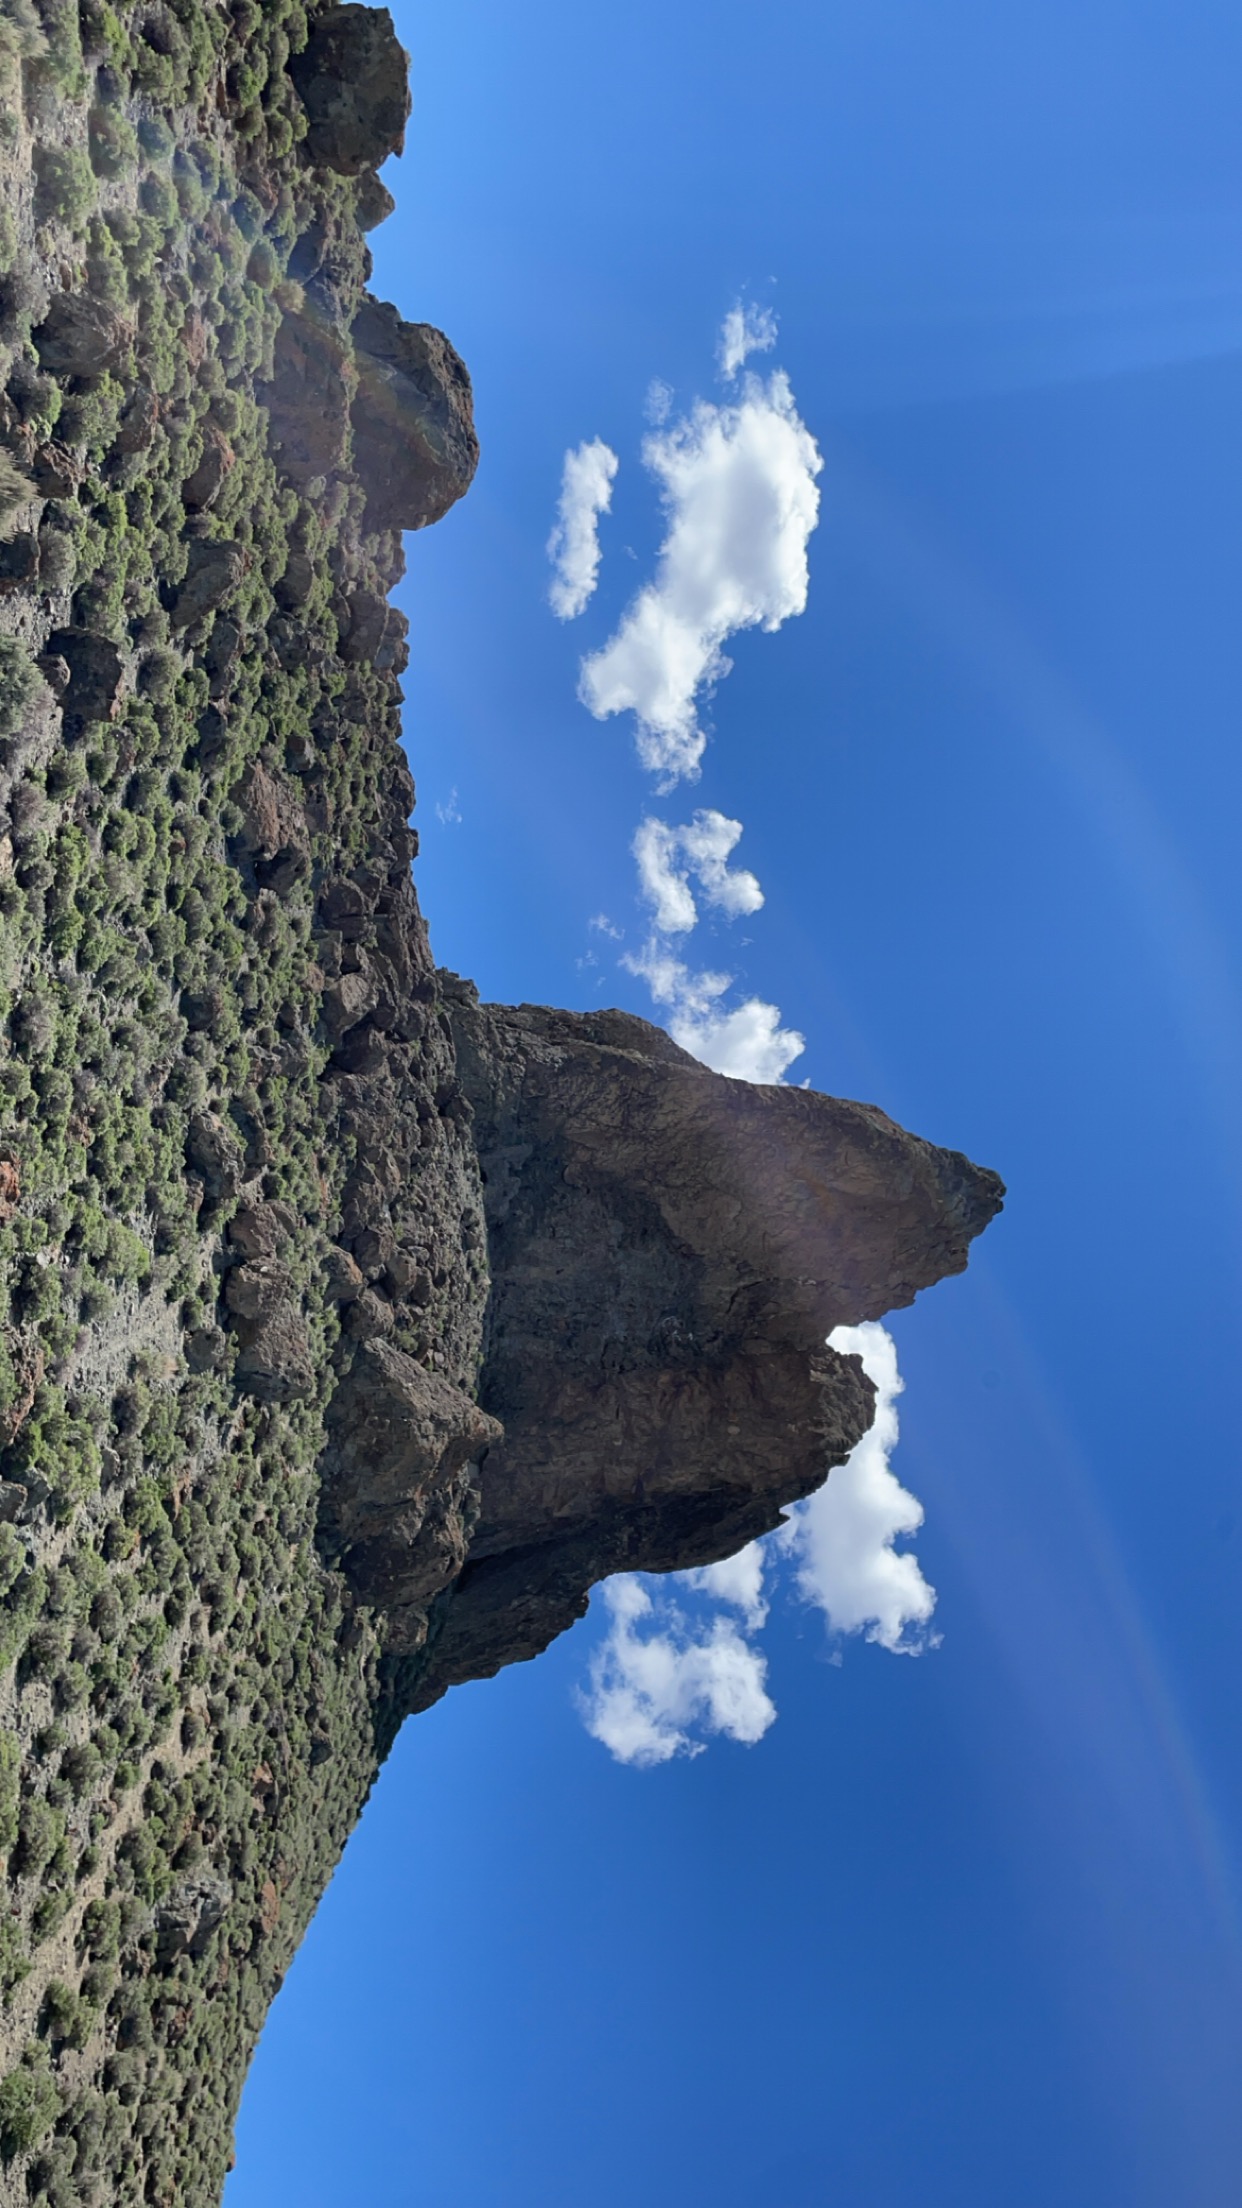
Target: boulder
{"type": "Point", "coordinates": [79, 336]}
{"type": "Point", "coordinates": [184, 1919]}
{"type": "Point", "coordinates": [213, 1150]}
{"type": "Point", "coordinates": [202, 488]}
{"type": "Point", "coordinates": [139, 420]}
{"type": "Point", "coordinates": [373, 202]}
{"type": "Point", "coordinates": [274, 828]}
{"type": "Point", "coordinates": [58, 472]}
{"type": "Point", "coordinates": [274, 1360]}
{"type": "Point", "coordinates": [96, 673]}
{"type": "Point", "coordinates": [353, 80]}
{"type": "Point", "coordinates": [19, 561]}
{"type": "Point", "coordinates": [347, 1001]}
{"type": "Point", "coordinates": [415, 448]}
{"type": "Point", "coordinates": [214, 571]}
{"type": "Point", "coordinates": [274, 1357]}
{"type": "Point", "coordinates": [260, 1230]}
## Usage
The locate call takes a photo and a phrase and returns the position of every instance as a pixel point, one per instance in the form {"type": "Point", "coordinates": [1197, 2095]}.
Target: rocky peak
{"type": "Point", "coordinates": [668, 1250]}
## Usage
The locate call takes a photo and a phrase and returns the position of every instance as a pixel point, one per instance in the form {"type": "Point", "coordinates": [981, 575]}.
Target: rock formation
{"type": "Point", "coordinates": [349, 1330]}
{"type": "Point", "coordinates": [668, 1251]}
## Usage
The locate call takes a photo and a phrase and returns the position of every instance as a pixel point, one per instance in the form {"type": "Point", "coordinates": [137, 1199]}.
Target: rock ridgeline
{"type": "Point", "coordinates": [349, 1330]}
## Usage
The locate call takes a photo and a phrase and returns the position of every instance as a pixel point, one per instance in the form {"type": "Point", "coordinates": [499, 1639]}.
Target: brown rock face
{"type": "Point", "coordinates": [415, 447]}
{"type": "Point", "coordinates": [308, 397]}
{"type": "Point", "coordinates": [399, 1502]}
{"type": "Point", "coordinates": [668, 1251]}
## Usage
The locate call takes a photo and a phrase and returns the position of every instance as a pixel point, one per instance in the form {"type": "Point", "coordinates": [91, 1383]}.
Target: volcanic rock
{"type": "Point", "coordinates": [80, 336]}
{"type": "Point", "coordinates": [398, 1497]}
{"type": "Point", "coordinates": [96, 673]}
{"type": "Point", "coordinates": [214, 572]}
{"type": "Point", "coordinates": [668, 1251]}
{"type": "Point", "coordinates": [309, 396]}
{"type": "Point", "coordinates": [352, 79]}
{"type": "Point", "coordinates": [415, 447]}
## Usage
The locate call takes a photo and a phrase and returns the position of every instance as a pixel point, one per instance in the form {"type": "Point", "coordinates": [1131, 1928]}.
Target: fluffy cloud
{"type": "Point", "coordinates": [660, 1680]}
{"type": "Point", "coordinates": [573, 547]}
{"type": "Point", "coordinates": [745, 330]}
{"type": "Point", "coordinates": [842, 1538]}
{"type": "Point", "coordinates": [748, 1043]}
{"type": "Point", "coordinates": [738, 486]}
{"type": "Point", "coordinates": [668, 856]}
{"type": "Point", "coordinates": [655, 1682]}
{"type": "Point", "coordinates": [737, 1581]}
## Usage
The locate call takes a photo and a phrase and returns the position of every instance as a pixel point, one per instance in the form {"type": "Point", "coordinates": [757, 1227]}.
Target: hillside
{"type": "Point", "coordinates": [348, 1330]}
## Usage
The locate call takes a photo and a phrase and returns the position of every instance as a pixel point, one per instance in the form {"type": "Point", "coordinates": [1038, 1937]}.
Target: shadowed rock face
{"type": "Point", "coordinates": [352, 77]}
{"type": "Point", "coordinates": [668, 1251]}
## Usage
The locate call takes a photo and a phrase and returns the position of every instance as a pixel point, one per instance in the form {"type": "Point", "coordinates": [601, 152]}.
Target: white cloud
{"type": "Point", "coordinates": [842, 1537]}
{"type": "Point", "coordinates": [745, 330]}
{"type": "Point", "coordinates": [573, 547]}
{"type": "Point", "coordinates": [737, 1581]}
{"type": "Point", "coordinates": [661, 1679]}
{"type": "Point", "coordinates": [654, 1682]}
{"type": "Point", "coordinates": [738, 486]}
{"type": "Point", "coordinates": [748, 1043]}
{"type": "Point", "coordinates": [659, 401]}
{"type": "Point", "coordinates": [449, 814]}
{"type": "Point", "coordinates": [703, 850]}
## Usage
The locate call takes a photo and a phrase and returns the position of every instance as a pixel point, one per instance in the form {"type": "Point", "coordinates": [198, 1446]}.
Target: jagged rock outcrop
{"type": "Point", "coordinates": [668, 1251]}
{"type": "Point", "coordinates": [349, 1330]}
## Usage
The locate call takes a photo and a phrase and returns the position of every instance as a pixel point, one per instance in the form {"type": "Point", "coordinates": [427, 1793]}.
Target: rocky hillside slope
{"type": "Point", "coordinates": [348, 1329]}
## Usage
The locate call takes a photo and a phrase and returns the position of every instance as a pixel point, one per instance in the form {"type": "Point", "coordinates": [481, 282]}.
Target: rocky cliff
{"type": "Point", "coordinates": [349, 1330]}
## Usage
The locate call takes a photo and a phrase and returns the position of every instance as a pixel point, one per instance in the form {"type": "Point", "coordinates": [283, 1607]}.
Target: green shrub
{"type": "Point", "coordinates": [41, 1830]}
{"type": "Point", "coordinates": [113, 143]}
{"type": "Point", "coordinates": [65, 190]}
{"type": "Point", "coordinates": [10, 1770]}
{"type": "Point", "coordinates": [15, 491]}
{"type": "Point", "coordinates": [28, 2103]}
{"type": "Point", "coordinates": [21, 35]}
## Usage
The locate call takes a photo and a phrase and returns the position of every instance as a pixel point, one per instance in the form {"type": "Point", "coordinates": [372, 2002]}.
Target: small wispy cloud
{"type": "Point", "coordinates": [747, 1042]}
{"type": "Point", "coordinates": [573, 547]}
{"type": "Point", "coordinates": [448, 813]}
{"type": "Point", "coordinates": [842, 1538]}
{"type": "Point", "coordinates": [667, 857]}
{"type": "Point", "coordinates": [656, 1683]}
{"type": "Point", "coordinates": [738, 486]}
{"type": "Point", "coordinates": [604, 926]}
{"type": "Point", "coordinates": [658, 404]}
{"type": "Point", "coordinates": [745, 330]}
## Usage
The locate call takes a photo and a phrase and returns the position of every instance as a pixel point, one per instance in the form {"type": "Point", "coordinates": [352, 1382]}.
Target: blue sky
{"type": "Point", "coordinates": [961, 1928]}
